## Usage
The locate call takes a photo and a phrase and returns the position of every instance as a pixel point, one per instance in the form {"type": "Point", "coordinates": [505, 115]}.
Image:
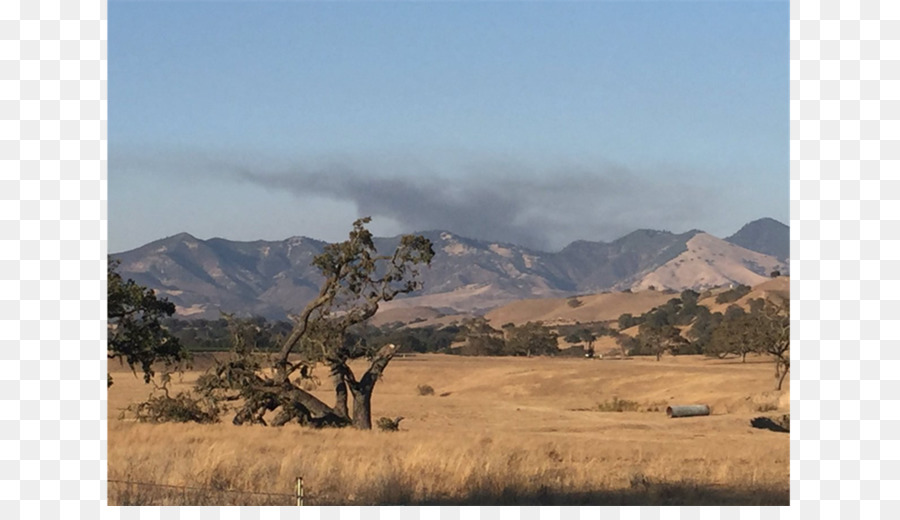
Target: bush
{"type": "Point", "coordinates": [425, 390]}
{"type": "Point", "coordinates": [389, 425]}
{"type": "Point", "coordinates": [181, 408]}
{"type": "Point", "coordinates": [619, 405]}
{"type": "Point", "coordinates": [574, 302]}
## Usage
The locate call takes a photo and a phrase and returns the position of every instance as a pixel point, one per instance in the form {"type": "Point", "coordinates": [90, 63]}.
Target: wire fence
{"type": "Point", "coordinates": [198, 495]}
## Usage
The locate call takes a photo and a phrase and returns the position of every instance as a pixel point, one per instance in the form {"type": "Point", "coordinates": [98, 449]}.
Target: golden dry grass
{"type": "Point", "coordinates": [497, 431]}
{"type": "Point", "coordinates": [592, 307]}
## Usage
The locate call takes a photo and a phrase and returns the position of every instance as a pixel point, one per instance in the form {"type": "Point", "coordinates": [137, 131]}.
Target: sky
{"type": "Point", "coordinates": [534, 123]}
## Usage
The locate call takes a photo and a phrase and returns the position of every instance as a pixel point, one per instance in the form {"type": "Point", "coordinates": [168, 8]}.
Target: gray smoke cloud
{"type": "Point", "coordinates": [543, 209]}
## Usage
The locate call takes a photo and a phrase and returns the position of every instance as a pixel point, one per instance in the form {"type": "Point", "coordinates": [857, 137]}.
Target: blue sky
{"type": "Point", "coordinates": [534, 123]}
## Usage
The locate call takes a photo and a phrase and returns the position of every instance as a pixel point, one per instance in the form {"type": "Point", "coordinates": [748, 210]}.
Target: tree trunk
{"type": "Point", "coordinates": [289, 411]}
{"type": "Point", "coordinates": [781, 378]}
{"type": "Point", "coordinates": [744, 356]}
{"type": "Point", "coordinates": [340, 399]}
{"type": "Point", "coordinates": [362, 390]}
{"type": "Point", "coordinates": [362, 408]}
{"type": "Point", "coordinates": [312, 403]}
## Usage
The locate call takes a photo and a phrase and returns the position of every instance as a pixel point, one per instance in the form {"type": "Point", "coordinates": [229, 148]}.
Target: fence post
{"type": "Point", "coordinates": [299, 491]}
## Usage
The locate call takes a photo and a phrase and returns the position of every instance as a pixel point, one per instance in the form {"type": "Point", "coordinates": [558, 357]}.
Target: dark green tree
{"type": "Point", "coordinates": [735, 334]}
{"type": "Point", "coordinates": [658, 317]}
{"type": "Point", "coordinates": [531, 339]}
{"type": "Point", "coordinates": [702, 329]}
{"type": "Point", "coordinates": [587, 336]}
{"type": "Point", "coordinates": [689, 307]}
{"type": "Point", "coordinates": [765, 329]}
{"type": "Point", "coordinates": [734, 312]}
{"type": "Point", "coordinates": [629, 346]}
{"type": "Point", "coordinates": [626, 321]}
{"type": "Point", "coordinates": [481, 339]}
{"type": "Point", "coordinates": [135, 334]}
{"type": "Point", "coordinates": [654, 339]}
{"type": "Point", "coordinates": [689, 297]}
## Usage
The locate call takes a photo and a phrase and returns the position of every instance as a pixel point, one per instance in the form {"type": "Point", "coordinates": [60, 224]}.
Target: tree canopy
{"type": "Point", "coordinates": [135, 334]}
{"type": "Point", "coordinates": [356, 280]}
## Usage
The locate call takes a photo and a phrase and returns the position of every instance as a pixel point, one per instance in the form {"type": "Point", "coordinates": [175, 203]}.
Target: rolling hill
{"type": "Point", "coordinates": [586, 308]}
{"type": "Point", "coordinates": [608, 306]}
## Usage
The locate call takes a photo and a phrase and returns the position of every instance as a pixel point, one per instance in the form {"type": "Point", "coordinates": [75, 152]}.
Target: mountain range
{"type": "Point", "coordinates": [275, 278]}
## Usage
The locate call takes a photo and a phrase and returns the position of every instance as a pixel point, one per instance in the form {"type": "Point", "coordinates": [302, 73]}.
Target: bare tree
{"type": "Point", "coordinates": [774, 335]}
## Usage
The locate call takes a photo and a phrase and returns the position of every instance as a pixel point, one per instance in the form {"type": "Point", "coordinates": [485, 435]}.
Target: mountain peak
{"type": "Point", "coordinates": [164, 243]}
{"type": "Point", "coordinates": [181, 237]}
{"type": "Point", "coordinates": [647, 232]}
{"type": "Point", "coordinates": [765, 235]}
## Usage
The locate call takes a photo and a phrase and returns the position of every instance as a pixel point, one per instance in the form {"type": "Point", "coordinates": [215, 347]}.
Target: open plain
{"type": "Point", "coordinates": [496, 431]}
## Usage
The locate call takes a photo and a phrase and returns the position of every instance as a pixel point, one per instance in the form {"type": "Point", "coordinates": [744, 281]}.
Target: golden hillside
{"type": "Point", "coordinates": [593, 307]}
{"type": "Point", "coordinates": [775, 289]}
{"type": "Point", "coordinates": [609, 306]}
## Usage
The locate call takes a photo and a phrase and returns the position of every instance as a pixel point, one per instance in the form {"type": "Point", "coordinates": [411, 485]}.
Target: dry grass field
{"type": "Point", "coordinates": [591, 307]}
{"type": "Point", "coordinates": [509, 431]}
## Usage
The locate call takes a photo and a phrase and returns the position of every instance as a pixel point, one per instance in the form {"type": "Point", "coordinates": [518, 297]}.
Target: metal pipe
{"type": "Point", "coordinates": [688, 410]}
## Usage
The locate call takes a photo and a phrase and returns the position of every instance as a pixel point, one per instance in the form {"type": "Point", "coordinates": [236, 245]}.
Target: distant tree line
{"type": "Point", "coordinates": [478, 338]}
{"type": "Point", "coordinates": [763, 329]}
{"type": "Point", "coordinates": [216, 335]}
{"type": "Point", "coordinates": [679, 327]}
